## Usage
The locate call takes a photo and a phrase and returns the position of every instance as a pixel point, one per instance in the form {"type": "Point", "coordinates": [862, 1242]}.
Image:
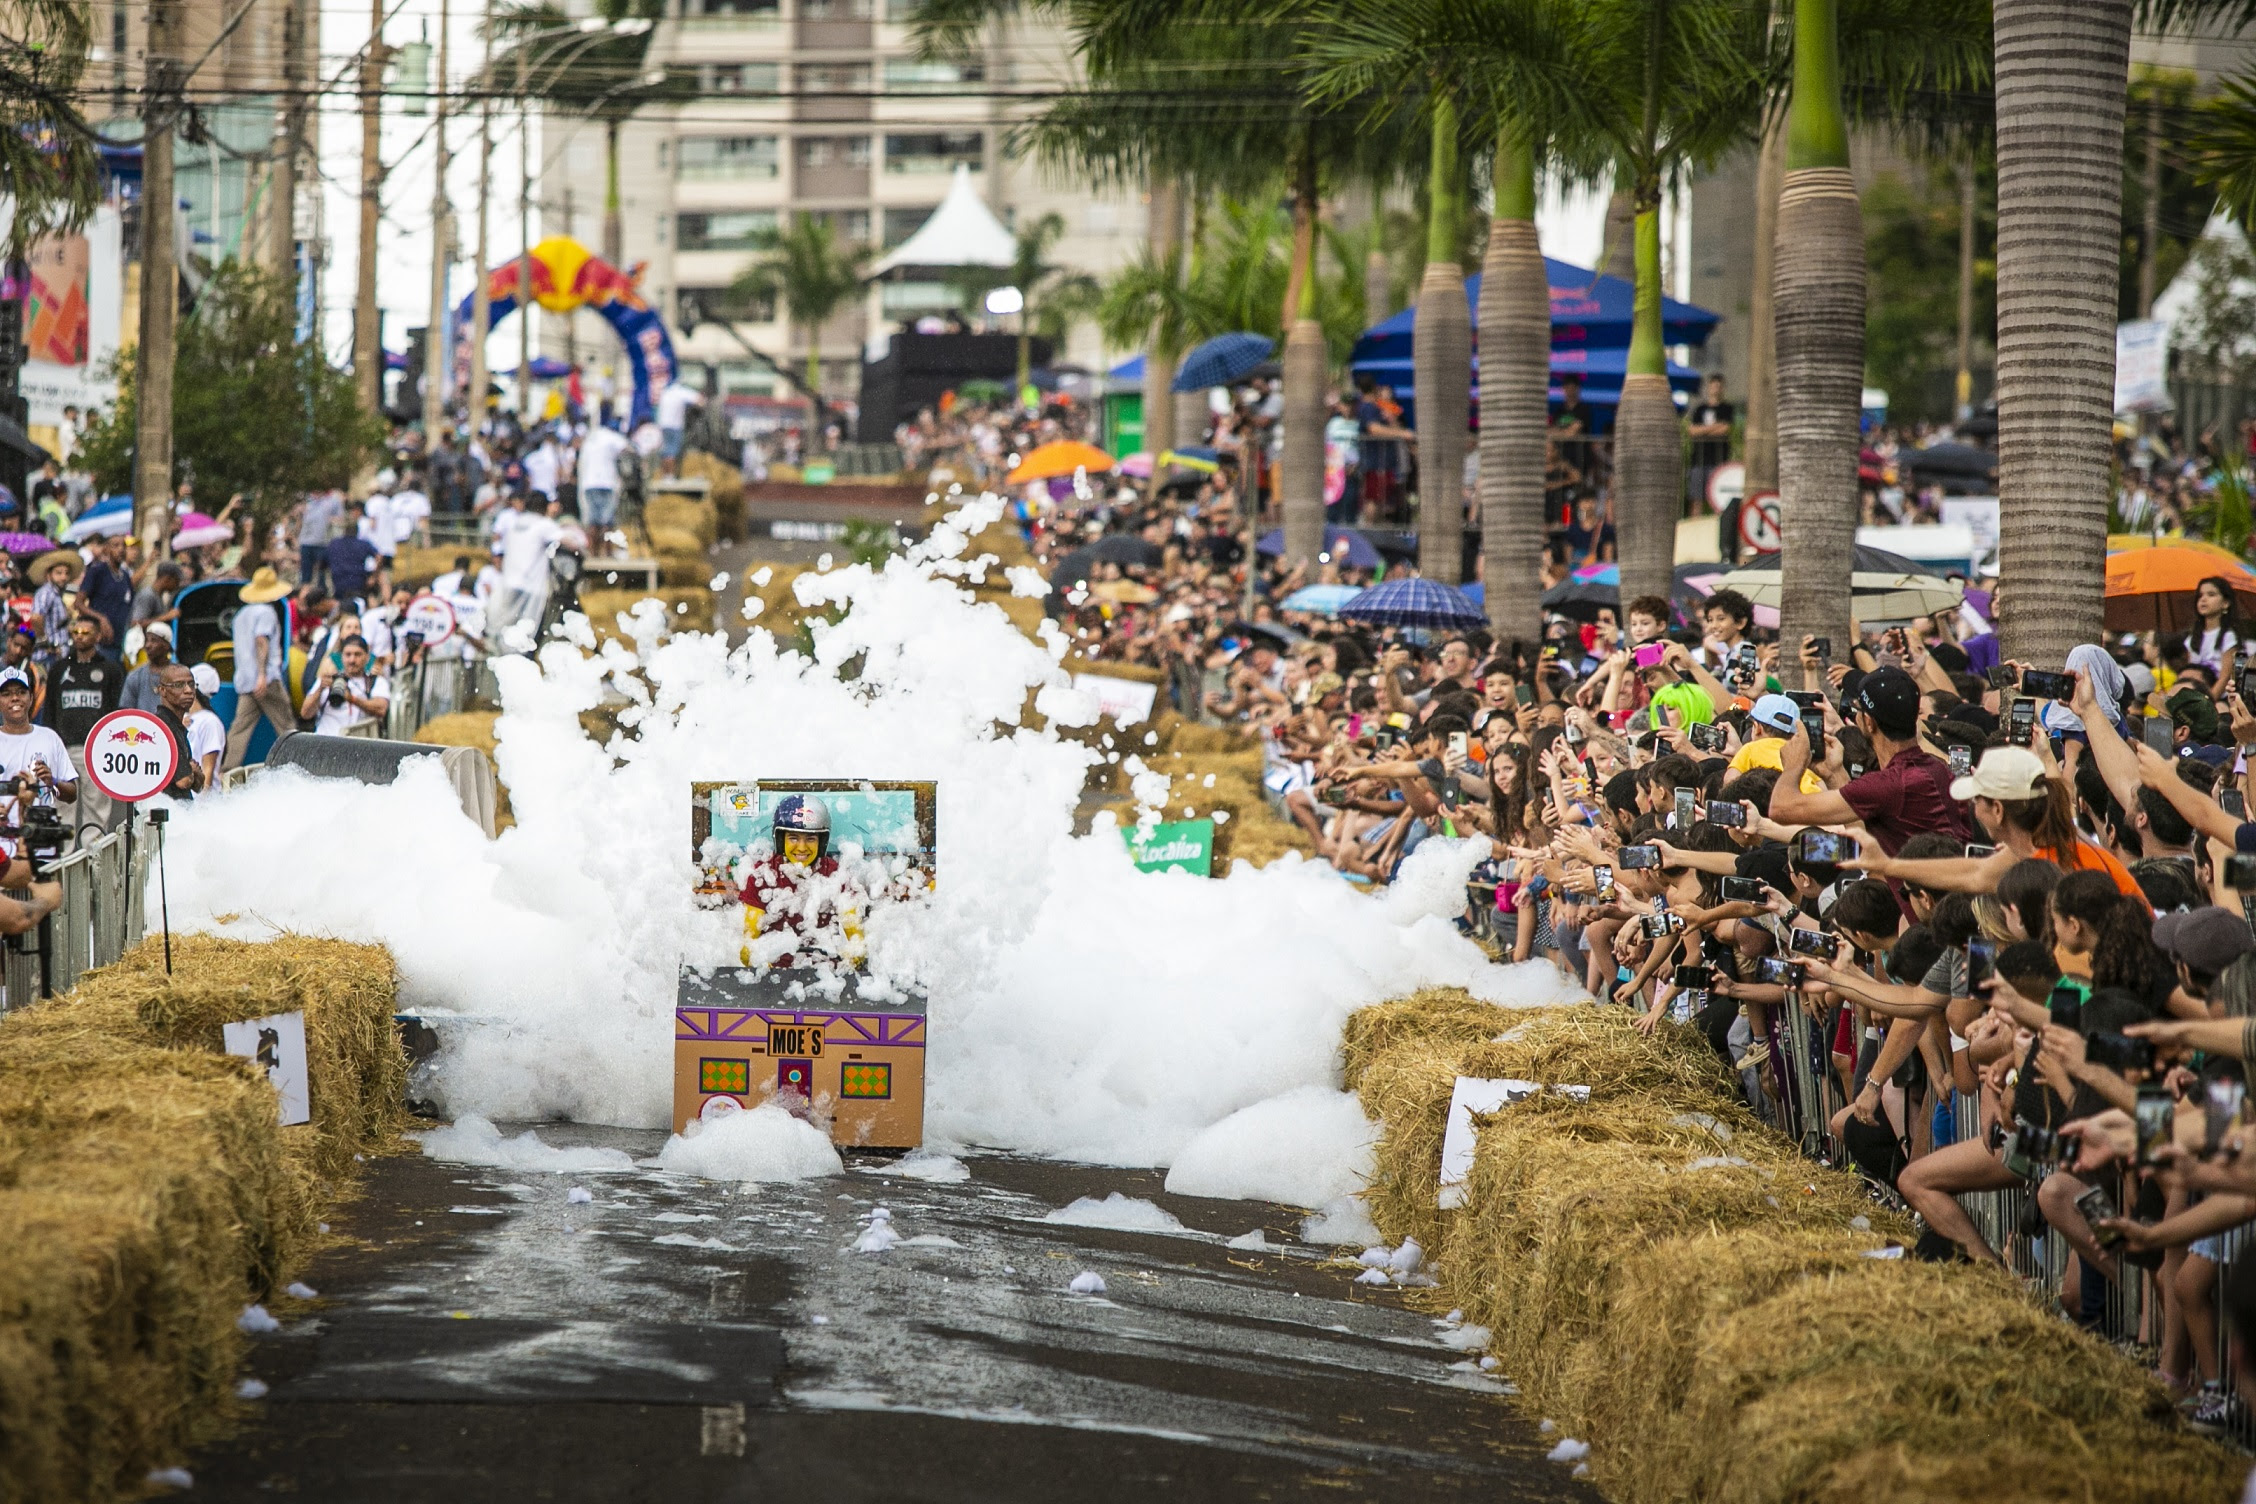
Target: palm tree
{"type": "Point", "coordinates": [50, 161]}
{"type": "Point", "coordinates": [1041, 284]}
{"type": "Point", "coordinates": [1443, 361]}
{"type": "Point", "coordinates": [804, 270]}
{"type": "Point", "coordinates": [600, 75]}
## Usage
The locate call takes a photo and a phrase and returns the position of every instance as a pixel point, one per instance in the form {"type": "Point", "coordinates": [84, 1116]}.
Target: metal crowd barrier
{"type": "Point", "coordinates": [102, 916]}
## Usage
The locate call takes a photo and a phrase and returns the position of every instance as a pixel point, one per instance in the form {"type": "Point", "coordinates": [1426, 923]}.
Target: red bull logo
{"type": "Point", "coordinates": [132, 736]}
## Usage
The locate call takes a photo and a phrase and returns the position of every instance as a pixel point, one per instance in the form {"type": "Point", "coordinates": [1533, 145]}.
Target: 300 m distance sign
{"type": "Point", "coordinates": [131, 755]}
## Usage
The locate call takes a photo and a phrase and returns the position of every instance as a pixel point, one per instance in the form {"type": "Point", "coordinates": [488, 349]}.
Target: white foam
{"type": "Point", "coordinates": [1303, 1147]}
{"type": "Point", "coordinates": [473, 1140]}
{"type": "Point", "coordinates": [937, 1169]}
{"type": "Point", "coordinates": [765, 1143]}
{"type": "Point", "coordinates": [1060, 1026]}
{"type": "Point", "coordinates": [1121, 1213]}
{"type": "Point", "coordinates": [1343, 1222]}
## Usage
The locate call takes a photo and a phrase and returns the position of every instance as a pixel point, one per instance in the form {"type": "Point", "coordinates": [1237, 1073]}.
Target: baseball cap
{"type": "Point", "coordinates": [207, 679]}
{"type": "Point", "coordinates": [1891, 698]}
{"type": "Point", "coordinates": [157, 629]}
{"type": "Point", "coordinates": [2206, 939]}
{"type": "Point", "coordinates": [2003, 773]}
{"type": "Point", "coordinates": [2191, 708]}
{"type": "Point", "coordinates": [1778, 713]}
{"type": "Point", "coordinates": [10, 676]}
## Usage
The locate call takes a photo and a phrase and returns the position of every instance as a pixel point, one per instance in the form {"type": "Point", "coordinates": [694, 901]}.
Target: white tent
{"type": "Point", "coordinates": [963, 231]}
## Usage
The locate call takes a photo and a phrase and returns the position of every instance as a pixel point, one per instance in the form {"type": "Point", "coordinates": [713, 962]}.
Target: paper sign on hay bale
{"type": "Point", "coordinates": [795, 1017]}
{"type": "Point", "coordinates": [1477, 1095]}
{"type": "Point", "coordinates": [277, 1043]}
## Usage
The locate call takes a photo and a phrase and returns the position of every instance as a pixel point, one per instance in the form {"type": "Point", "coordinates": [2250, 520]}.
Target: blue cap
{"type": "Point", "coordinates": [1778, 713]}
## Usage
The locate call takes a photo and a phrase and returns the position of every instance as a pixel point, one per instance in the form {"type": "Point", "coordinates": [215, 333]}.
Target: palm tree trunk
{"type": "Point", "coordinates": [1618, 256]}
{"type": "Point", "coordinates": [614, 243]}
{"type": "Point", "coordinates": [2062, 70]}
{"type": "Point", "coordinates": [1300, 464]}
{"type": "Point", "coordinates": [1820, 312]}
{"type": "Point", "coordinates": [1762, 324]}
{"type": "Point", "coordinates": [1515, 343]}
{"type": "Point", "coordinates": [1648, 437]}
{"type": "Point", "coordinates": [1442, 367]}
{"type": "Point", "coordinates": [1025, 355]}
{"type": "Point", "coordinates": [1378, 275]}
{"type": "Point", "coordinates": [1163, 235]}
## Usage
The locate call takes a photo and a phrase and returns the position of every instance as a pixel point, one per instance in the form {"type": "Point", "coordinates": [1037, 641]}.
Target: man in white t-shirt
{"type": "Point", "coordinates": [261, 678]}
{"type": "Point", "coordinates": [410, 515]}
{"type": "Point", "coordinates": [599, 477]}
{"type": "Point", "coordinates": [544, 468]}
{"type": "Point", "coordinates": [674, 404]}
{"type": "Point", "coordinates": [351, 701]}
{"type": "Point", "coordinates": [377, 524]}
{"type": "Point", "coordinates": [524, 542]}
{"type": "Point", "coordinates": [35, 766]}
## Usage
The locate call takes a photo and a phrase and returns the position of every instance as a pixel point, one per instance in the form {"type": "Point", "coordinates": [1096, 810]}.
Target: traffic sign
{"type": "Point", "coordinates": [1726, 484]}
{"type": "Point", "coordinates": [1759, 526]}
{"type": "Point", "coordinates": [430, 617]}
{"type": "Point", "coordinates": [130, 755]}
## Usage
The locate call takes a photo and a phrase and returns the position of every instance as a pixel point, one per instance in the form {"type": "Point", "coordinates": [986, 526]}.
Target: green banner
{"type": "Point", "coordinates": [1183, 846]}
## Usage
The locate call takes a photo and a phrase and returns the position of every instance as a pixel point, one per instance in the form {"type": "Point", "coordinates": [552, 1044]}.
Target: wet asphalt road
{"type": "Point", "coordinates": [479, 1337]}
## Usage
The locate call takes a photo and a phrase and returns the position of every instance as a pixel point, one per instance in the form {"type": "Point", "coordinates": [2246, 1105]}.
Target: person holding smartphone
{"type": "Point", "coordinates": [1908, 793]}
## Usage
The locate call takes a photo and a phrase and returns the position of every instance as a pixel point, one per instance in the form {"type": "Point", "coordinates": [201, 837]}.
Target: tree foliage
{"type": "Point", "coordinates": [803, 268]}
{"type": "Point", "coordinates": [255, 412]}
{"type": "Point", "coordinates": [1911, 226]}
{"type": "Point", "coordinates": [48, 162]}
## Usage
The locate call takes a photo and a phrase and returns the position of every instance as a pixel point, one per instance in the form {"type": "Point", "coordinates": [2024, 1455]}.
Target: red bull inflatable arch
{"type": "Point", "coordinates": [566, 275]}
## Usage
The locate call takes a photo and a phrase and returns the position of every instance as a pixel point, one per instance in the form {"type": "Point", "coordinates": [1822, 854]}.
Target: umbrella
{"type": "Point", "coordinates": [1352, 549]}
{"type": "Point", "coordinates": [1882, 594]}
{"type": "Point", "coordinates": [2151, 589]}
{"type": "Point", "coordinates": [109, 516]}
{"type": "Point", "coordinates": [1962, 467]}
{"type": "Point", "coordinates": [2121, 542]}
{"type": "Point", "coordinates": [1124, 592]}
{"type": "Point", "coordinates": [25, 543]}
{"type": "Point", "coordinates": [1414, 602]}
{"type": "Point", "coordinates": [1689, 586]}
{"type": "Point", "coordinates": [1581, 599]}
{"type": "Point", "coordinates": [1061, 458]}
{"type": "Point", "coordinates": [197, 537]}
{"type": "Point", "coordinates": [1137, 466]}
{"type": "Point", "coordinates": [1204, 461]}
{"type": "Point", "coordinates": [1222, 360]}
{"type": "Point", "coordinates": [1125, 549]}
{"type": "Point", "coordinates": [1322, 600]}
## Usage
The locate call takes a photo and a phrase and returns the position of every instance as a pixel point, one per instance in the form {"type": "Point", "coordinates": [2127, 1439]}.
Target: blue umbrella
{"type": "Point", "coordinates": [1222, 360]}
{"type": "Point", "coordinates": [1322, 600]}
{"type": "Point", "coordinates": [110, 515]}
{"type": "Point", "coordinates": [1351, 549]}
{"type": "Point", "coordinates": [1414, 602]}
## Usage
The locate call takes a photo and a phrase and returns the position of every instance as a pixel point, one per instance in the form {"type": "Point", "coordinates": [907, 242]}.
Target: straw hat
{"type": "Point", "coordinates": [51, 558]}
{"type": "Point", "coordinates": [265, 586]}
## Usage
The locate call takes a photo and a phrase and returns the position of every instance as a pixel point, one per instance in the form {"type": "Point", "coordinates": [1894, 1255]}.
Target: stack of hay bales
{"type": "Point", "coordinates": [689, 608]}
{"type": "Point", "coordinates": [416, 567]}
{"type": "Point", "coordinates": [147, 1193]}
{"type": "Point", "coordinates": [1671, 1281]}
{"type": "Point", "coordinates": [681, 528]}
{"type": "Point", "coordinates": [727, 482]}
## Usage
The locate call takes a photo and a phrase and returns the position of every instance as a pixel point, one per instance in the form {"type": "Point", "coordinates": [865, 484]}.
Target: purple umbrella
{"type": "Point", "coordinates": [26, 543]}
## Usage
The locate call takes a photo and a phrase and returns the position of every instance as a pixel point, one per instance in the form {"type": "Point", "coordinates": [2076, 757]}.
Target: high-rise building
{"type": "Point", "coordinates": [820, 107]}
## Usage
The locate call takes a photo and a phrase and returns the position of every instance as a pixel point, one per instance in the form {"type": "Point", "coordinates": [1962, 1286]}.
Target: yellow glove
{"type": "Point", "coordinates": [752, 919]}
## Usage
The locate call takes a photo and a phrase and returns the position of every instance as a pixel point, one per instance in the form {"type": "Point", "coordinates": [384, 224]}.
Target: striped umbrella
{"type": "Point", "coordinates": [1414, 602]}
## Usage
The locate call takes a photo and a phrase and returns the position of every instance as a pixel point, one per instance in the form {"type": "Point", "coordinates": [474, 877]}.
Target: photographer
{"type": "Point", "coordinates": [35, 766]}
{"type": "Point", "coordinates": [348, 702]}
{"type": "Point", "coordinates": [1908, 793]}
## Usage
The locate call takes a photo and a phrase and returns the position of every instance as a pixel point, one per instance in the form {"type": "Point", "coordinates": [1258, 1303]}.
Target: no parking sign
{"type": "Point", "coordinates": [1759, 526]}
{"type": "Point", "coordinates": [131, 756]}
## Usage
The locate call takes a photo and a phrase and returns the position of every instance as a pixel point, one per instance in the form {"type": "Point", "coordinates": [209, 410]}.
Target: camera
{"type": "Point", "coordinates": [338, 699]}
{"type": "Point", "coordinates": [1705, 736]}
{"type": "Point", "coordinates": [42, 837]}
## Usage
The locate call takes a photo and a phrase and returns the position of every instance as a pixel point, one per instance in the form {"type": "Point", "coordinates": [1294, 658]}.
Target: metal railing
{"type": "Point", "coordinates": [105, 883]}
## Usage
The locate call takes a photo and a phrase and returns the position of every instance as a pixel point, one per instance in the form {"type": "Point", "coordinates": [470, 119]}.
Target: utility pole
{"type": "Point", "coordinates": [438, 362]}
{"type": "Point", "coordinates": [481, 305]}
{"type": "Point", "coordinates": [527, 306]}
{"type": "Point", "coordinates": [152, 372]}
{"type": "Point", "coordinates": [289, 125]}
{"type": "Point", "coordinates": [368, 355]}
{"type": "Point", "coordinates": [571, 320]}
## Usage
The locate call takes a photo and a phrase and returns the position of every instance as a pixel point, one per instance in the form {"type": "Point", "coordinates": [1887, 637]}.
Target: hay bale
{"type": "Point", "coordinates": [416, 567]}
{"type": "Point", "coordinates": [676, 541]}
{"type": "Point", "coordinates": [1600, 1047]}
{"type": "Point", "coordinates": [671, 512]}
{"type": "Point", "coordinates": [727, 493]}
{"type": "Point", "coordinates": [1441, 1014]}
{"type": "Point", "coordinates": [688, 608]}
{"type": "Point", "coordinates": [147, 1193]}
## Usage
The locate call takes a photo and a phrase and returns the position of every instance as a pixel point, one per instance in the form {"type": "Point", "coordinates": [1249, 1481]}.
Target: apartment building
{"type": "Point", "coordinates": [820, 107]}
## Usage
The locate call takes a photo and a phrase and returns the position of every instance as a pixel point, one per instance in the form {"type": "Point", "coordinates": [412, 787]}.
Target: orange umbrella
{"type": "Point", "coordinates": [2151, 589]}
{"type": "Point", "coordinates": [2118, 542]}
{"type": "Point", "coordinates": [1062, 458]}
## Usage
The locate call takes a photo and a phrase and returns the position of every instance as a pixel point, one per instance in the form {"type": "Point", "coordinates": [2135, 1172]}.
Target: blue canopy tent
{"type": "Point", "coordinates": [1131, 369]}
{"type": "Point", "coordinates": [1590, 327]}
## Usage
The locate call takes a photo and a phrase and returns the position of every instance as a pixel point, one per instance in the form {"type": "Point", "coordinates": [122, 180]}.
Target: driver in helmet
{"type": "Point", "coordinates": [800, 875]}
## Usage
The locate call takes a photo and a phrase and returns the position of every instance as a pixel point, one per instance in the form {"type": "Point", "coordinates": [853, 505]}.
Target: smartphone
{"type": "Point", "coordinates": [2046, 686]}
{"type": "Point", "coordinates": [1355, 728]}
{"type": "Point", "coordinates": [1705, 737]}
{"type": "Point", "coordinates": [2066, 1006]}
{"type": "Point", "coordinates": [1979, 850]}
{"type": "Point", "coordinates": [1822, 647]}
{"type": "Point", "coordinates": [1772, 970]}
{"type": "Point", "coordinates": [1604, 877]}
{"type": "Point", "coordinates": [1961, 761]}
{"type": "Point", "coordinates": [2221, 1110]}
{"type": "Point", "coordinates": [1692, 978]}
{"type": "Point", "coordinates": [1895, 641]}
{"type": "Point", "coordinates": [2005, 676]}
{"type": "Point", "coordinates": [1637, 858]}
{"type": "Point", "coordinates": [2248, 687]}
{"type": "Point", "coordinates": [1457, 744]}
{"type": "Point", "coordinates": [2098, 1206]}
{"type": "Point", "coordinates": [1813, 726]}
{"type": "Point", "coordinates": [1981, 964]}
{"type": "Point", "coordinates": [1687, 808]}
{"type": "Point", "coordinates": [1741, 889]}
{"type": "Point", "coordinates": [1812, 943]}
{"type": "Point", "coordinates": [1333, 794]}
{"type": "Point", "coordinates": [1724, 812]}
{"type": "Point", "coordinates": [2159, 733]}
{"type": "Point", "coordinates": [2234, 803]}
{"type": "Point", "coordinates": [2240, 871]}
{"type": "Point", "coordinates": [2021, 723]}
{"type": "Point", "coordinates": [2153, 1117]}
{"type": "Point", "coordinates": [1524, 693]}
{"type": "Point", "coordinates": [1797, 974]}
{"type": "Point", "coordinates": [1825, 846]}
{"type": "Point", "coordinates": [2118, 1052]}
